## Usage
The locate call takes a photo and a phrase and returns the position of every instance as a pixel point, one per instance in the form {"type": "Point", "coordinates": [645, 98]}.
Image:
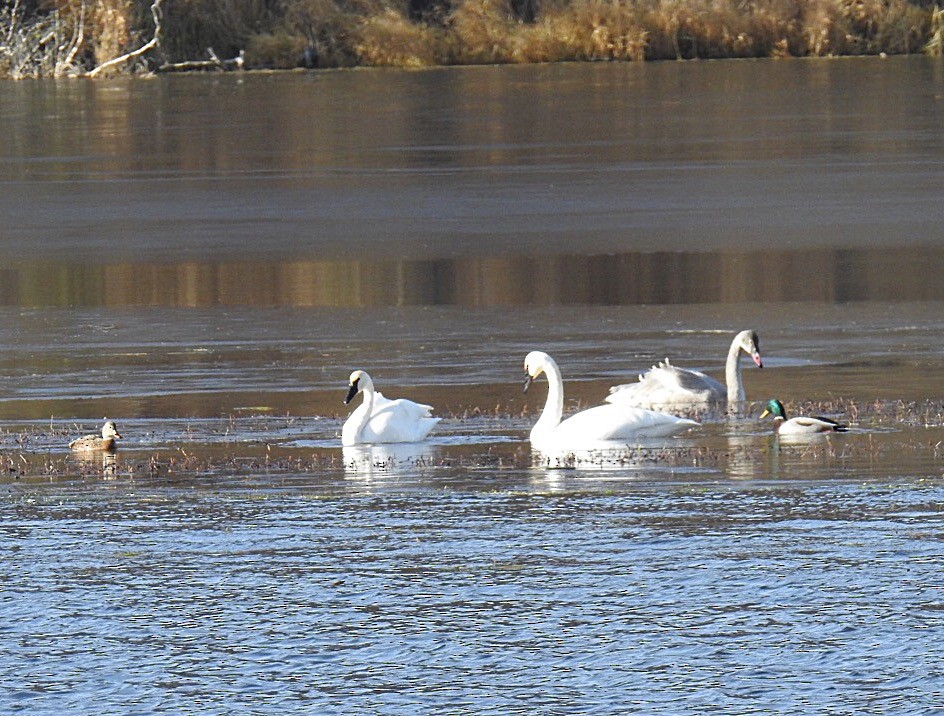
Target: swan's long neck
{"type": "Point", "coordinates": [368, 405]}
{"type": "Point", "coordinates": [732, 375]}
{"type": "Point", "coordinates": [554, 406]}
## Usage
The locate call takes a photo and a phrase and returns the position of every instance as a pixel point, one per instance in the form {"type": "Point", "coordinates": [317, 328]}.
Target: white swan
{"type": "Point", "coordinates": [379, 420]}
{"type": "Point", "coordinates": [800, 425]}
{"type": "Point", "coordinates": [666, 387]}
{"type": "Point", "coordinates": [595, 425]}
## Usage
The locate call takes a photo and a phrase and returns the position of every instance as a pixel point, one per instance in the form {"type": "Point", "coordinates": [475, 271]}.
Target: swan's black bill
{"type": "Point", "coordinates": [528, 380]}
{"type": "Point", "coordinates": [352, 391]}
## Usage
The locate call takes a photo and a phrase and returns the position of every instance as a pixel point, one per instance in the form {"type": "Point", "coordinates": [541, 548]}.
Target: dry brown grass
{"type": "Point", "coordinates": [334, 33]}
{"type": "Point", "coordinates": [482, 32]}
{"type": "Point", "coordinates": [592, 30]}
{"type": "Point", "coordinates": [390, 39]}
{"type": "Point", "coordinates": [110, 25]}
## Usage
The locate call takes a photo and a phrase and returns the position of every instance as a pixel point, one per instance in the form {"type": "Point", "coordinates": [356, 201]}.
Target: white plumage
{"type": "Point", "coordinates": [599, 424]}
{"type": "Point", "coordinates": [668, 387]}
{"type": "Point", "coordinates": [381, 420]}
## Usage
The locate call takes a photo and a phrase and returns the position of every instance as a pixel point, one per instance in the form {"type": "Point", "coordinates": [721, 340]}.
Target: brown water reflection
{"type": "Point", "coordinates": [655, 183]}
{"type": "Point", "coordinates": [823, 275]}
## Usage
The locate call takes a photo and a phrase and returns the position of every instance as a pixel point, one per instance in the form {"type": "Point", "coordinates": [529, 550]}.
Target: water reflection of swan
{"type": "Point", "coordinates": [799, 426]}
{"type": "Point", "coordinates": [380, 420]}
{"type": "Point", "coordinates": [604, 423]}
{"type": "Point", "coordinates": [602, 456]}
{"type": "Point", "coordinates": [387, 458]}
{"type": "Point", "coordinates": [666, 386]}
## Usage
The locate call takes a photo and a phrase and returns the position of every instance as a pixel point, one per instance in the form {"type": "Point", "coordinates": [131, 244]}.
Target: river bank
{"type": "Point", "coordinates": [102, 37]}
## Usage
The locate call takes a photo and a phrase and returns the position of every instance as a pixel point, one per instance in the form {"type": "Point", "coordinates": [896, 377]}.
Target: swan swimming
{"type": "Point", "coordinates": [800, 425]}
{"type": "Point", "coordinates": [666, 387]}
{"type": "Point", "coordinates": [380, 420]}
{"type": "Point", "coordinates": [594, 425]}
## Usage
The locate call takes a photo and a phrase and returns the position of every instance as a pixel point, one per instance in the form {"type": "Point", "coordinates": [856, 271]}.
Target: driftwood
{"type": "Point", "coordinates": [214, 64]}
{"type": "Point", "coordinates": [150, 44]}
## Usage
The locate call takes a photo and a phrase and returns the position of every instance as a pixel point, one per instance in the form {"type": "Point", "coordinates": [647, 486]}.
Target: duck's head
{"type": "Point", "coordinates": [534, 364]}
{"type": "Point", "coordinates": [750, 344]}
{"type": "Point", "coordinates": [775, 408]}
{"type": "Point", "coordinates": [110, 430]}
{"type": "Point", "coordinates": [359, 381]}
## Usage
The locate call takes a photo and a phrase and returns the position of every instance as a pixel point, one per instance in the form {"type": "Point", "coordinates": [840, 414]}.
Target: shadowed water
{"type": "Point", "coordinates": [206, 259]}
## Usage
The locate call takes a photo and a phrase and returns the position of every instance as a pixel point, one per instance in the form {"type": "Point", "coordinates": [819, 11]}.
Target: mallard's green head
{"type": "Point", "coordinates": [775, 408]}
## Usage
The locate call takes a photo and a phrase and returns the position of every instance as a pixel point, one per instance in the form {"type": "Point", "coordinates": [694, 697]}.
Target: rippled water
{"type": "Point", "coordinates": [233, 558]}
{"type": "Point", "coordinates": [206, 259]}
{"type": "Point", "coordinates": [461, 591]}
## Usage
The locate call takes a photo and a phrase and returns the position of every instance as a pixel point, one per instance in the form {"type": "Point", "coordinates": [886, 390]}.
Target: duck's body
{"type": "Point", "coordinates": [800, 425]}
{"type": "Point", "coordinates": [381, 420]}
{"type": "Point", "coordinates": [668, 387]}
{"type": "Point", "coordinates": [599, 424]}
{"type": "Point", "coordinates": [105, 441]}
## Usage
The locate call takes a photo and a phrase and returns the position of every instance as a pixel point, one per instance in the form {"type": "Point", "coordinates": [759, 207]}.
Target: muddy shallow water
{"type": "Point", "coordinates": [205, 261]}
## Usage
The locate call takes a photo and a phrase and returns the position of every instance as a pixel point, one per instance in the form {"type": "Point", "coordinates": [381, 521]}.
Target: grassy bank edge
{"type": "Point", "coordinates": [55, 38]}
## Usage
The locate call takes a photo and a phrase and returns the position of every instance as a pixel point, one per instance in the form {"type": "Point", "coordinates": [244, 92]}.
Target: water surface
{"type": "Point", "coordinates": [206, 259]}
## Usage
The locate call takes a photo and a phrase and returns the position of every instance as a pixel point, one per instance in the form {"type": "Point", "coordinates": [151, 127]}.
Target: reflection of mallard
{"type": "Point", "coordinates": [94, 442]}
{"type": "Point", "coordinates": [109, 464]}
{"type": "Point", "coordinates": [801, 425]}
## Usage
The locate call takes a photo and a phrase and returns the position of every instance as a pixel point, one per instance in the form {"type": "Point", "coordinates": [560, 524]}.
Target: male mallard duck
{"type": "Point", "coordinates": [94, 442]}
{"type": "Point", "coordinates": [799, 426]}
{"type": "Point", "coordinates": [667, 387]}
{"type": "Point", "coordinates": [380, 420]}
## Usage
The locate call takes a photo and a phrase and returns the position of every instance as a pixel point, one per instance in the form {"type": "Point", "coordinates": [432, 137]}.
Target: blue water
{"type": "Point", "coordinates": [523, 593]}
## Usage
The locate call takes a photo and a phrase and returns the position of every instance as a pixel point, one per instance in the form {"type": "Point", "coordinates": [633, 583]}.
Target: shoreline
{"type": "Point", "coordinates": [142, 37]}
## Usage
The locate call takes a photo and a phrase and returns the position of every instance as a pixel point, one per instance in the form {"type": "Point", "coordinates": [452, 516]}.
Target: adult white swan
{"type": "Point", "coordinates": [380, 420]}
{"type": "Point", "coordinates": [667, 387]}
{"type": "Point", "coordinates": [594, 425]}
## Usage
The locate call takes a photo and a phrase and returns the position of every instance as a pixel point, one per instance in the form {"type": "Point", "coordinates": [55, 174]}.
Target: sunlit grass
{"type": "Point", "coordinates": [72, 36]}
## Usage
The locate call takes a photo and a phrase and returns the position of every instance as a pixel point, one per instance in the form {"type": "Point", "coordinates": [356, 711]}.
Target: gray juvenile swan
{"type": "Point", "coordinates": [667, 387]}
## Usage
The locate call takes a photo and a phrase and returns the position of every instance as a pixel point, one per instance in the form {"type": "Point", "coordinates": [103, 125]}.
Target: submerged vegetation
{"type": "Point", "coordinates": [89, 37]}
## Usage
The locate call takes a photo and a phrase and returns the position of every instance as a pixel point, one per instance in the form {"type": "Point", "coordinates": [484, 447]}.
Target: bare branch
{"type": "Point", "coordinates": [151, 44]}
{"type": "Point", "coordinates": [78, 37]}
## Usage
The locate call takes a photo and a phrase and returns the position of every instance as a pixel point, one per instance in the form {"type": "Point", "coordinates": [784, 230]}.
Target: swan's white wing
{"type": "Point", "coordinates": [617, 422]}
{"type": "Point", "coordinates": [666, 385]}
{"type": "Point", "coordinates": [398, 421]}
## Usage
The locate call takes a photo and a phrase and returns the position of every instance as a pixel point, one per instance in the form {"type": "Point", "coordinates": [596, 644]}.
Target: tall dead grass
{"type": "Point", "coordinates": [490, 31]}
{"type": "Point", "coordinates": [65, 36]}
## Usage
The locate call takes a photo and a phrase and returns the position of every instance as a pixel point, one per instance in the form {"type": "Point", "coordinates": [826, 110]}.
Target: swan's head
{"type": "Point", "coordinates": [110, 430]}
{"type": "Point", "coordinates": [359, 381]}
{"type": "Point", "coordinates": [775, 408]}
{"type": "Point", "coordinates": [750, 344]}
{"type": "Point", "coordinates": [534, 364]}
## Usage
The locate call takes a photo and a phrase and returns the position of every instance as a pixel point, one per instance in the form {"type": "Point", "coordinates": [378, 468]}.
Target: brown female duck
{"type": "Point", "coordinates": [95, 442]}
